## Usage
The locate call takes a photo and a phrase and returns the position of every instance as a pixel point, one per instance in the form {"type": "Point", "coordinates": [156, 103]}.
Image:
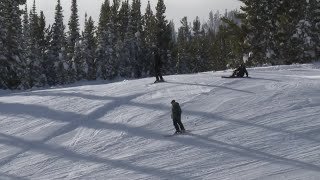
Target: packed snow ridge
{"type": "Point", "coordinates": [266, 127]}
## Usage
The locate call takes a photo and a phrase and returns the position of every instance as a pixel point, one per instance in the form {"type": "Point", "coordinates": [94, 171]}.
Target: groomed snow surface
{"type": "Point", "coordinates": [266, 127]}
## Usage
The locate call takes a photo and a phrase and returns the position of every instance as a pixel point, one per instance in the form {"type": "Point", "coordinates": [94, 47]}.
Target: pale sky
{"type": "Point", "coordinates": [176, 9]}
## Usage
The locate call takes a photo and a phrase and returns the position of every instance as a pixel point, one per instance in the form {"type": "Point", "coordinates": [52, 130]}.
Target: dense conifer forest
{"type": "Point", "coordinates": [123, 41]}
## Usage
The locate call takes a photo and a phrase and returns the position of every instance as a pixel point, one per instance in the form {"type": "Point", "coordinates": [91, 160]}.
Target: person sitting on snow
{"type": "Point", "coordinates": [240, 71]}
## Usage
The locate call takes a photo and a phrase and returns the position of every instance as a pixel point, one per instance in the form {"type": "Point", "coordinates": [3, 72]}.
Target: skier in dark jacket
{"type": "Point", "coordinates": [176, 117]}
{"type": "Point", "coordinates": [158, 66]}
{"type": "Point", "coordinates": [240, 71]}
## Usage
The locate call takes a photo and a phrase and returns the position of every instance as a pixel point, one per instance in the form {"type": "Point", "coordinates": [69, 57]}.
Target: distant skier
{"type": "Point", "coordinates": [240, 71]}
{"type": "Point", "coordinates": [176, 117]}
{"type": "Point", "coordinates": [158, 66]}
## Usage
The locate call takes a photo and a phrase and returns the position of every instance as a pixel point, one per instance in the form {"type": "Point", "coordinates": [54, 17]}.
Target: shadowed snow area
{"type": "Point", "coordinates": [265, 127]}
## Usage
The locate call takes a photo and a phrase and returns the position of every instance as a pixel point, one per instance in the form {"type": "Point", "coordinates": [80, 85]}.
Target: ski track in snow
{"type": "Point", "coordinates": [265, 127]}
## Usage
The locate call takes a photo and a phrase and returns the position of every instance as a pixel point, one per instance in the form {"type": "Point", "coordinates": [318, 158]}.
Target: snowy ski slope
{"type": "Point", "coordinates": [262, 128]}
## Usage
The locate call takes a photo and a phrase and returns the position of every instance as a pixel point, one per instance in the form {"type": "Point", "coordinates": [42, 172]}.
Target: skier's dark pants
{"type": "Point", "coordinates": [178, 124]}
{"type": "Point", "coordinates": [158, 74]}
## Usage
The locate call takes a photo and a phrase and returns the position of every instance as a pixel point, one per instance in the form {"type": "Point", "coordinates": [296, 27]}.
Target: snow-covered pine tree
{"type": "Point", "coordinates": [161, 24]}
{"type": "Point", "coordinates": [259, 20]}
{"type": "Point", "coordinates": [124, 18]}
{"type": "Point", "coordinates": [195, 59]}
{"type": "Point", "coordinates": [73, 33]}
{"type": "Point", "coordinates": [2, 45]}
{"type": "Point", "coordinates": [184, 35]}
{"type": "Point", "coordinates": [43, 46]}
{"type": "Point", "coordinates": [303, 42]}
{"type": "Point", "coordinates": [288, 15]}
{"type": "Point", "coordinates": [172, 49]}
{"type": "Point", "coordinates": [35, 61]}
{"type": "Point", "coordinates": [315, 22]}
{"type": "Point", "coordinates": [136, 18]}
{"type": "Point", "coordinates": [136, 23]}
{"type": "Point", "coordinates": [58, 67]}
{"type": "Point", "coordinates": [205, 50]}
{"type": "Point", "coordinates": [77, 63]}
{"type": "Point", "coordinates": [88, 49]}
{"type": "Point", "coordinates": [26, 44]}
{"type": "Point", "coordinates": [162, 33]}
{"type": "Point", "coordinates": [114, 17]}
{"type": "Point", "coordinates": [124, 53]}
{"type": "Point", "coordinates": [233, 35]}
{"type": "Point", "coordinates": [104, 18]}
{"type": "Point", "coordinates": [101, 56]}
{"type": "Point", "coordinates": [127, 52]}
{"type": "Point", "coordinates": [303, 37]}
{"type": "Point", "coordinates": [211, 22]}
{"type": "Point", "coordinates": [73, 39]}
{"type": "Point", "coordinates": [112, 34]}
{"type": "Point", "coordinates": [13, 74]}
{"type": "Point", "coordinates": [150, 38]}
{"type": "Point", "coordinates": [26, 32]}
{"type": "Point", "coordinates": [107, 41]}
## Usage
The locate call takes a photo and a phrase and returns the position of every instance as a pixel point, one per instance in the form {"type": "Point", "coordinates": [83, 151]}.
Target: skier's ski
{"type": "Point", "coordinates": [161, 81]}
{"type": "Point", "coordinates": [233, 77]}
{"type": "Point", "coordinates": [186, 132]}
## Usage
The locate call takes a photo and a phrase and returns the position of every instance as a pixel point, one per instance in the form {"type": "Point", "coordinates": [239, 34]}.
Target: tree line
{"type": "Point", "coordinates": [123, 43]}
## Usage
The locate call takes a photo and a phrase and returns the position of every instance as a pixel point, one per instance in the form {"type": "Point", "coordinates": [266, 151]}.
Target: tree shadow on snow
{"type": "Point", "coordinates": [64, 153]}
{"type": "Point", "coordinates": [209, 85]}
{"type": "Point", "coordinates": [75, 121]}
{"type": "Point", "coordinates": [249, 152]}
{"type": "Point", "coordinates": [264, 79]}
{"type": "Point", "coordinates": [91, 121]}
{"type": "Point", "coordinates": [4, 176]}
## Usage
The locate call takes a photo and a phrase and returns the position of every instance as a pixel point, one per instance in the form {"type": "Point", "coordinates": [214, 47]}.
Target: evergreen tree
{"type": "Point", "coordinates": [163, 34]}
{"type": "Point", "coordinates": [315, 25]}
{"type": "Point", "coordinates": [104, 18]}
{"type": "Point", "coordinates": [2, 45]}
{"type": "Point", "coordinates": [106, 54]}
{"type": "Point", "coordinates": [258, 19]}
{"type": "Point", "coordinates": [136, 18]}
{"type": "Point", "coordinates": [150, 38]}
{"type": "Point", "coordinates": [184, 36]}
{"type": "Point", "coordinates": [101, 55]}
{"type": "Point", "coordinates": [272, 27]}
{"type": "Point", "coordinates": [111, 64]}
{"type": "Point", "coordinates": [231, 38]}
{"type": "Point", "coordinates": [136, 24]}
{"type": "Point", "coordinates": [124, 18]}
{"type": "Point", "coordinates": [13, 67]}
{"type": "Point", "coordinates": [124, 43]}
{"type": "Point", "coordinates": [304, 36]}
{"type": "Point", "coordinates": [172, 49]}
{"type": "Point", "coordinates": [57, 66]}
{"type": "Point", "coordinates": [73, 40]}
{"type": "Point", "coordinates": [78, 64]}
{"type": "Point", "coordinates": [26, 31]}
{"type": "Point", "coordinates": [114, 18]}
{"type": "Point", "coordinates": [288, 16]}
{"type": "Point", "coordinates": [161, 25]}
{"type": "Point", "coordinates": [73, 34]}
{"type": "Point", "coordinates": [127, 53]}
{"type": "Point", "coordinates": [35, 61]}
{"type": "Point", "coordinates": [88, 49]}
{"type": "Point", "coordinates": [196, 57]}
{"type": "Point", "coordinates": [112, 34]}
{"type": "Point", "coordinates": [43, 44]}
